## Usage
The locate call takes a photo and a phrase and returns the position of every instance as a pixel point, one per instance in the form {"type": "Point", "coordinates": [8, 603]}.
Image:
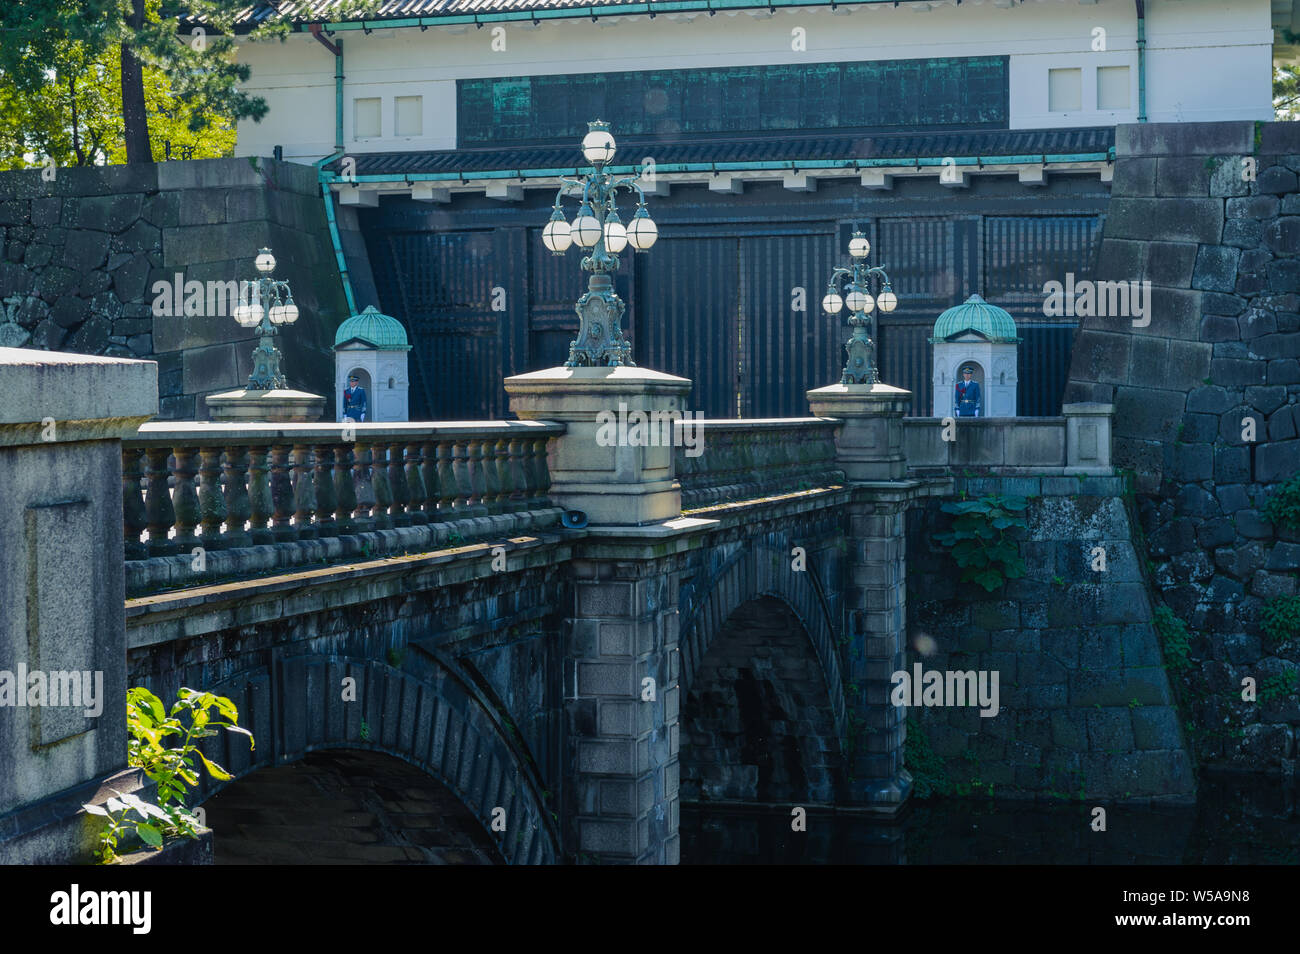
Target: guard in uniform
{"type": "Point", "coordinates": [354, 401]}
{"type": "Point", "coordinates": [968, 394]}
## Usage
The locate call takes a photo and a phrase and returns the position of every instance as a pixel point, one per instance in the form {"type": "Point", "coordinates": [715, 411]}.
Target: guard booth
{"type": "Point", "coordinates": [983, 336]}
{"type": "Point", "coordinates": [374, 347]}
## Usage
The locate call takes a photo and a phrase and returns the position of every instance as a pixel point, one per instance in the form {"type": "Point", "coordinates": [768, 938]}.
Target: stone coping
{"type": "Point", "coordinates": [152, 574]}
{"type": "Point", "coordinates": [201, 433]}
{"type": "Point", "coordinates": [201, 610]}
{"type": "Point", "coordinates": [80, 388]}
{"type": "Point", "coordinates": [542, 389]}
{"type": "Point", "coordinates": [759, 423]}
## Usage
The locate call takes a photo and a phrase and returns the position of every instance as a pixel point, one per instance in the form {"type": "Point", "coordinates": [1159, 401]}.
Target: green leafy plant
{"type": "Point", "coordinates": [1174, 638]}
{"type": "Point", "coordinates": [150, 728]}
{"type": "Point", "coordinates": [1278, 685]}
{"type": "Point", "coordinates": [981, 540]}
{"type": "Point", "coordinates": [1283, 507]}
{"type": "Point", "coordinates": [365, 731]}
{"type": "Point", "coordinates": [1280, 621]}
{"type": "Point", "coordinates": [454, 539]}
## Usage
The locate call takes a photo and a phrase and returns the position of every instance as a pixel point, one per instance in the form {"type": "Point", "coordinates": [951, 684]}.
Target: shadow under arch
{"type": "Point", "coordinates": [427, 713]}
{"type": "Point", "coordinates": [762, 568]}
{"type": "Point", "coordinates": [756, 722]}
{"type": "Point", "coordinates": [345, 806]}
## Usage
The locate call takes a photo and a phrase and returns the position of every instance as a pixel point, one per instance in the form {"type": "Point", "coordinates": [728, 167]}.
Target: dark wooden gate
{"type": "Point", "coordinates": [735, 308]}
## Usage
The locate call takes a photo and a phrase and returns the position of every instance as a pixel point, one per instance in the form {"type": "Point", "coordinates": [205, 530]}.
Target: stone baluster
{"type": "Point", "coordinates": [158, 510]}
{"type": "Point", "coordinates": [461, 465]}
{"type": "Point", "coordinates": [478, 478]}
{"type": "Point", "coordinates": [304, 493]}
{"type": "Point", "coordinates": [415, 489]}
{"type": "Point", "coordinates": [326, 525]}
{"type": "Point", "coordinates": [491, 498]}
{"type": "Point", "coordinates": [447, 483]}
{"type": "Point", "coordinates": [501, 457]}
{"type": "Point", "coordinates": [281, 494]}
{"type": "Point", "coordinates": [185, 500]}
{"type": "Point", "coordinates": [345, 491]}
{"type": "Point", "coordinates": [429, 478]}
{"type": "Point", "coordinates": [541, 472]}
{"type": "Point", "coordinates": [134, 520]}
{"type": "Point", "coordinates": [239, 505]}
{"type": "Point", "coordinates": [364, 485]}
{"type": "Point", "coordinates": [212, 505]}
{"type": "Point", "coordinates": [379, 480]}
{"type": "Point", "coordinates": [518, 477]}
{"type": "Point", "coordinates": [397, 486]}
{"type": "Point", "coordinates": [260, 505]}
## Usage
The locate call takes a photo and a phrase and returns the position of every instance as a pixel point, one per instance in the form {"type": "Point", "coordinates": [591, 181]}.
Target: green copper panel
{"type": "Point", "coordinates": [879, 95]}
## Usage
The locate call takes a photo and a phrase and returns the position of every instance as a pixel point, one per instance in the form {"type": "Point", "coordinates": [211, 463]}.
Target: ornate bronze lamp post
{"type": "Point", "coordinates": [265, 304]}
{"type": "Point", "coordinates": [861, 347]}
{"type": "Point", "coordinates": [600, 341]}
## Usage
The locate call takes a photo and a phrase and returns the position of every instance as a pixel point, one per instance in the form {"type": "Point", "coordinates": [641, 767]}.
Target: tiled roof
{"type": "Point", "coordinates": [1001, 142]}
{"type": "Point", "coordinates": [306, 11]}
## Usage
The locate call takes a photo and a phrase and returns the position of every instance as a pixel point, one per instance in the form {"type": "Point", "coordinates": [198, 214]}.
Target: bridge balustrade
{"type": "Point", "coordinates": [223, 486]}
{"type": "Point", "coordinates": [747, 459]}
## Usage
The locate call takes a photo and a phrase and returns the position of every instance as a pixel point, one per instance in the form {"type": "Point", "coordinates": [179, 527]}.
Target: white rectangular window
{"type": "Point", "coordinates": [1064, 90]}
{"type": "Point", "coordinates": [408, 118]}
{"type": "Point", "coordinates": [1112, 87]}
{"type": "Point", "coordinates": [366, 118]}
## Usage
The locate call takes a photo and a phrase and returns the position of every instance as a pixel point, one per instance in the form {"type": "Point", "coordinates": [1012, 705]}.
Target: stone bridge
{"type": "Point", "coordinates": [568, 630]}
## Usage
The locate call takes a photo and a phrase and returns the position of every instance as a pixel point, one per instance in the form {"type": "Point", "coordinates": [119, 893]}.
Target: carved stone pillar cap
{"type": "Point", "coordinates": [566, 393]}
{"type": "Point", "coordinates": [857, 400]}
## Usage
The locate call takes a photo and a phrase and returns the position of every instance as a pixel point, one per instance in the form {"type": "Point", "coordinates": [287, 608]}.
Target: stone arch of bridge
{"type": "Point", "coordinates": [427, 713]}
{"type": "Point", "coordinates": [759, 569]}
{"type": "Point", "coordinates": [756, 721]}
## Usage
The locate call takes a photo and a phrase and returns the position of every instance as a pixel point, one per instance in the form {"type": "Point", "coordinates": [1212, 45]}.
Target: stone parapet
{"type": "Point", "coordinates": [195, 489]}
{"type": "Point", "coordinates": [743, 459]}
{"type": "Point", "coordinates": [61, 592]}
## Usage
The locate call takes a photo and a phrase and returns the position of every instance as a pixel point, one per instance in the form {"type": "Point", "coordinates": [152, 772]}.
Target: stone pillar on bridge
{"type": "Point", "coordinates": [869, 448]}
{"type": "Point", "coordinates": [621, 662]}
{"type": "Point", "coordinates": [62, 616]}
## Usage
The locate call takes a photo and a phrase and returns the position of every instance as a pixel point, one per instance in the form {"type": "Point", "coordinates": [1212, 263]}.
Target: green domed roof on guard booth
{"type": "Point", "coordinates": [374, 328]}
{"type": "Point", "coordinates": [977, 315]}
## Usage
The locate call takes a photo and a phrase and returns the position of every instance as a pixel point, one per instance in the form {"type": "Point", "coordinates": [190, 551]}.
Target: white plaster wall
{"type": "Point", "coordinates": [384, 403]}
{"type": "Point", "coordinates": [995, 372]}
{"type": "Point", "coordinates": [1207, 60]}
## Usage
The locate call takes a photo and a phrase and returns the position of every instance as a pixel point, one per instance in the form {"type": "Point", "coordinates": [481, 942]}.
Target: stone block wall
{"type": "Point", "coordinates": [81, 255]}
{"type": "Point", "coordinates": [1086, 708]}
{"type": "Point", "coordinates": [1209, 214]}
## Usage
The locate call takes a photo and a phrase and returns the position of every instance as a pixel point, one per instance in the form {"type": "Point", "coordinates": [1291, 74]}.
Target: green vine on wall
{"type": "Point", "coordinates": [931, 775]}
{"type": "Point", "coordinates": [1174, 639]}
{"type": "Point", "coordinates": [1280, 622]}
{"type": "Point", "coordinates": [982, 540]}
{"type": "Point", "coordinates": [1283, 507]}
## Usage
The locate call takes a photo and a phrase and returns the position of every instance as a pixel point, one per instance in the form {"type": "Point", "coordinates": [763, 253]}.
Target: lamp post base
{"type": "Point", "coordinates": [271, 406]}
{"type": "Point", "coordinates": [600, 342]}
